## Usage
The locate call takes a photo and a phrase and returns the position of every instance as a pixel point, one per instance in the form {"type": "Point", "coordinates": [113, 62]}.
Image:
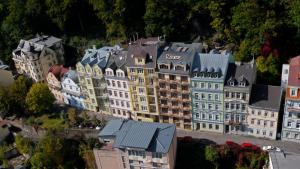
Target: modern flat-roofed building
{"type": "Point", "coordinates": [34, 57]}
{"type": "Point", "coordinates": [263, 111]}
{"type": "Point", "coordinates": [117, 85]}
{"type": "Point", "coordinates": [208, 76]}
{"type": "Point", "coordinates": [141, 66]}
{"type": "Point", "coordinates": [282, 160]}
{"type": "Point", "coordinates": [174, 71]}
{"type": "Point", "coordinates": [135, 144]}
{"type": "Point", "coordinates": [237, 89]}
{"type": "Point", "coordinates": [91, 71]}
{"type": "Point", "coordinates": [291, 116]}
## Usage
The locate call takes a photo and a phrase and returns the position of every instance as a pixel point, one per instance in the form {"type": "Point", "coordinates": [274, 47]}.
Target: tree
{"type": "Point", "coordinates": [5, 102]}
{"type": "Point", "coordinates": [23, 145]}
{"type": "Point", "coordinates": [72, 116]}
{"type": "Point", "coordinates": [212, 155]}
{"type": "Point", "coordinates": [39, 98]}
{"type": "Point", "coordinates": [19, 90]}
{"type": "Point", "coordinates": [268, 69]}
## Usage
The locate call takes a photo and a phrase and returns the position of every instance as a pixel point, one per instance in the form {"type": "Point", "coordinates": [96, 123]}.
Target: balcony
{"type": "Point", "coordinates": [185, 82]}
{"type": "Point", "coordinates": [186, 99]}
{"type": "Point", "coordinates": [162, 80]}
{"type": "Point", "coordinates": [293, 109]}
{"type": "Point", "coordinates": [185, 91]}
{"type": "Point", "coordinates": [186, 108]}
{"type": "Point", "coordinates": [174, 81]}
{"type": "Point", "coordinates": [233, 123]}
{"type": "Point", "coordinates": [187, 116]}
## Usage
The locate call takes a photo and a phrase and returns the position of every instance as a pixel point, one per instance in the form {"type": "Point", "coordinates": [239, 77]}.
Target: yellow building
{"type": "Point", "coordinates": [91, 71]}
{"type": "Point", "coordinates": [141, 64]}
{"type": "Point", "coordinates": [34, 57]}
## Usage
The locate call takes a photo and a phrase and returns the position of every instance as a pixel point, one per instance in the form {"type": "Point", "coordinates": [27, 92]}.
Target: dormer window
{"type": "Point", "coordinates": [294, 92]}
{"type": "Point", "coordinates": [242, 84]}
{"type": "Point", "coordinates": [231, 83]}
{"type": "Point", "coordinates": [140, 60]}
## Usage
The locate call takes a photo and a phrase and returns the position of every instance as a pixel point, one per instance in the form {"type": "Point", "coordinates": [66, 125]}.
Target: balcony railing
{"type": "Point", "coordinates": [293, 109]}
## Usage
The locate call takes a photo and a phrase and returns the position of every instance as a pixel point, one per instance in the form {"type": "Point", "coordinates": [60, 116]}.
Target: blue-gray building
{"type": "Point", "coordinates": [208, 76]}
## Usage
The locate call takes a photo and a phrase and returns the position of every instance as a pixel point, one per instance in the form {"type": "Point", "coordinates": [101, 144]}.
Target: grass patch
{"type": "Point", "coordinates": [48, 122]}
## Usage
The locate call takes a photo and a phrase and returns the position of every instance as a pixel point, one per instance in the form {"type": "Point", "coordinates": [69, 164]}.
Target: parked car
{"type": "Point", "coordinates": [267, 148]}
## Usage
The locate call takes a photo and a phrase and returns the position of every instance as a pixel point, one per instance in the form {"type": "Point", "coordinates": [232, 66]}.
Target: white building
{"type": "Point", "coordinates": [117, 85]}
{"type": "Point", "coordinates": [34, 57]}
{"type": "Point", "coordinates": [284, 75]}
{"type": "Point", "coordinates": [71, 90]}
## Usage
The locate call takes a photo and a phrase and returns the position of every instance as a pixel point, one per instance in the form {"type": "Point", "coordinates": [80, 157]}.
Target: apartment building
{"type": "Point", "coordinates": [54, 77]}
{"type": "Point", "coordinates": [174, 71]}
{"type": "Point", "coordinates": [91, 71]}
{"type": "Point", "coordinates": [237, 89]}
{"type": "Point", "coordinates": [291, 116]}
{"type": "Point", "coordinates": [34, 57]}
{"type": "Point", "coordinates": [71, 90]}
{"type": "Point", "coordinates": [284, 75]}
{"type": "Point", "coordinates": [141, 64]}
{"type": "Point", "coordinates": [263, 111]}
{"type": "Point", "coordinates": [208, 76]}
{"type": "Point", "coordinates": [117, 85]}
{"type": "Point", "coordinates": [134, 144]}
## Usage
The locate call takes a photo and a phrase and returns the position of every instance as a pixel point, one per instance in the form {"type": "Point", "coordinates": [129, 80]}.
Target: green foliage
{"type": "Point", "coordinates": [23, 145]}
{"type": "Point", "coordinates": [212, 155]}
{"type": "Point", "coordinates": [72, 116]}
{"type": "Point", "coordinates": [39, 98]}
{"type": "Point", "coordinates": [5, 102]}
{"type": "Point", "coordinates": [268, 69]}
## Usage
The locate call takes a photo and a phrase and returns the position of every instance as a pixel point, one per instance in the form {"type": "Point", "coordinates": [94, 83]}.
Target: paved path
{"type": "Point", "coordinates": [286, 146]}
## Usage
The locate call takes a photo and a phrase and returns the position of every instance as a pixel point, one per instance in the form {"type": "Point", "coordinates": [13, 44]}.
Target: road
{"type": "Point", "coordinates": [286, 146]}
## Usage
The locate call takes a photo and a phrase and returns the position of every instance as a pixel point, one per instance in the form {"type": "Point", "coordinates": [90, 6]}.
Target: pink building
{"type": "Point", "coordinates": [134, 144]}
{"type": "Point", "coordinates": [55, 74]}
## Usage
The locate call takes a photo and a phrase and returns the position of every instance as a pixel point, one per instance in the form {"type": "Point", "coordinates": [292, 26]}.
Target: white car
{"type": "Point", "coordinates": [98, 128]}
{"type": "Point", "coordinates": [267, 148]}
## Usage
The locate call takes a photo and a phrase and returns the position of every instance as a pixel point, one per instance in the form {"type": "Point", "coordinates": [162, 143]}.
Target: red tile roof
{"type": "Point", "coordinates": [294, 72]}
{"type": "Point", "coordinates": [58, 71]}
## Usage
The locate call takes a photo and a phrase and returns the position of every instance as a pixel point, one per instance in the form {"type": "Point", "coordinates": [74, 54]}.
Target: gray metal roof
{"type": "Point", "coordinates": [72, 74]}
{"type": "Point", "coordinates": [282, 160]}
{"type": "Point", "coordinates": [153, 137]}
{"type": "Point", "coordinates": [209, 63]}
{"type": "Point", "coordinates": [184, 53]}
{"type": "Point", "coordinates": [117, 60]}
{"type": "Point", "coordinates": [147, 49]}
{"type": "Point", "coordinates": [45, 40]}
{"type": "Point", "coordinates": [99, 56]}
{"type": "Point", "coordinates": [240, 71]}
{"type": "Point", "coordinates": [266, 97]}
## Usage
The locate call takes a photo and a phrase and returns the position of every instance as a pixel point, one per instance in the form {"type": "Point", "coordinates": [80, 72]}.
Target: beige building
{"type": "Point", "coordinates": [141, 65]}
{"type": "Point", "coordinates": [135, 145]}
{"type": "Point", "coordinates": [263, 111]}
{"type": "Point", "coordinates": [91, 72]}
{"type": "Point", "coordinates": [56, 73]}
{"type": "Point", "coordinates": [34, 57]}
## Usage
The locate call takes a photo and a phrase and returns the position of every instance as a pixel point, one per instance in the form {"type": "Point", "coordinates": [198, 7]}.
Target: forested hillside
{"type": "Point", "coordinates": [265, 29]}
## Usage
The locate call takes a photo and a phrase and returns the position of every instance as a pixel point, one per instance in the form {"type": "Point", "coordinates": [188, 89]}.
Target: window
{"type": "Point", "coordinates": [197, 115]}
{"type": "Point", "coordinates": [289, 124]}
{"type": "Point", "coordinates": [144, 108]}
{"type": "Point", "coordinates": [127, 104]}
{"type": "Point", "coordinates": [108, 82]}
{"type": "Point", "coordinates": [237, 106]}
{"type": "Point", "coordinates": [202, 85]}
{"type": "Point", "coordinates": [298, 125]}
{"type": "Point", "coordinates": [196, 105]}
{"type": "Point", "coordinates": [142, 99]}
{"type": "Point", "coordinates": [272, 114]}
{"type": "Point", "coordinates": [209, 96]}
{"type": "Point", "coordinates": [112, 102]}
{"type": "Point", "coordinates": [271, 123]}
{"type": "Point", "coordinates": [227, 116]}
{"type": "Point", "coordinates": [140, 71]}
{"type": "Point", "coordinates": [216, 97]}
{"type": "Point", "coordinates": [238, 95]}
{"type": "Point", "coordinates": [203, 125]}
{"type": "Point", "coordinates": [271, 134]}
{"type": "Point", "coordinates": [110, 92]}
{"type": "Point", "coordinates": [209, 106]}
{"type": "Point", "coordinates": [217, 107]}
{"type": "Point", "coordinates": [226, 94]}
{"type": "Point", "coordinates": [266, 113]}
{"type": "Point", "coordinates": [264, 133]}
{"type": "Point", "coordinates": [156, 155]}
{"type": "Point", "coordinates": [243, 107]}
{"type": "Point", "coordinates": [209, 85]}
{"type": "Point", "coordinates": [210, 116]}
{"type": "Point", "coordinates": [258, 122]}
{"type": "Point", "coordinates": [126, 95]}
{"type": "Point", "coordinates": [124, 85]}
{"type": "Point", "coordinates": [257, 131]}
{"type": "Point", "coordinates": [117, 102]}
{"type": "Point", "coordinates": [265, 123]}
{"type": "Point", "coordinates": [196, 96]}
{"type": "Point", "coordinates": [293, 92]}
{"type": "Point", "coordinates": [136, 153]}
{"type": "Point", "coordinates": [141, 80]}
{"type": "Point", "coordinates": [150, 71]}
{"type": "Point", "coordinates": [115, 93]}
{"type": "Point", "coordinates": [252, 121]}
{"type": "Point", "coordinates": [121, 94]}
{"type": "Point", "coordinates": [217, 117]}
{"type": "Point", "coordinates": [210, 126]}
{"type": "Point", "coordinates": [141, 90]}
{"type": "Point", "coordinates": [113, 83]}
{"type": "Point", "coordinates": [132, 70]}
{"type": "Point", "coordinates": [227, 106]}
{"type": "Point", "coordinates": [216, 86]}
{"type": "Point", "coordinates": [287, 135]}
{"type": "Point", "coordinates": [203, 106]}
{"type": "Point", "coordinates": [119, 83]}
{"type": "Point", "coordinates": [203, 116]}
{"type": "Point", "coordinates": [202, 96]}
